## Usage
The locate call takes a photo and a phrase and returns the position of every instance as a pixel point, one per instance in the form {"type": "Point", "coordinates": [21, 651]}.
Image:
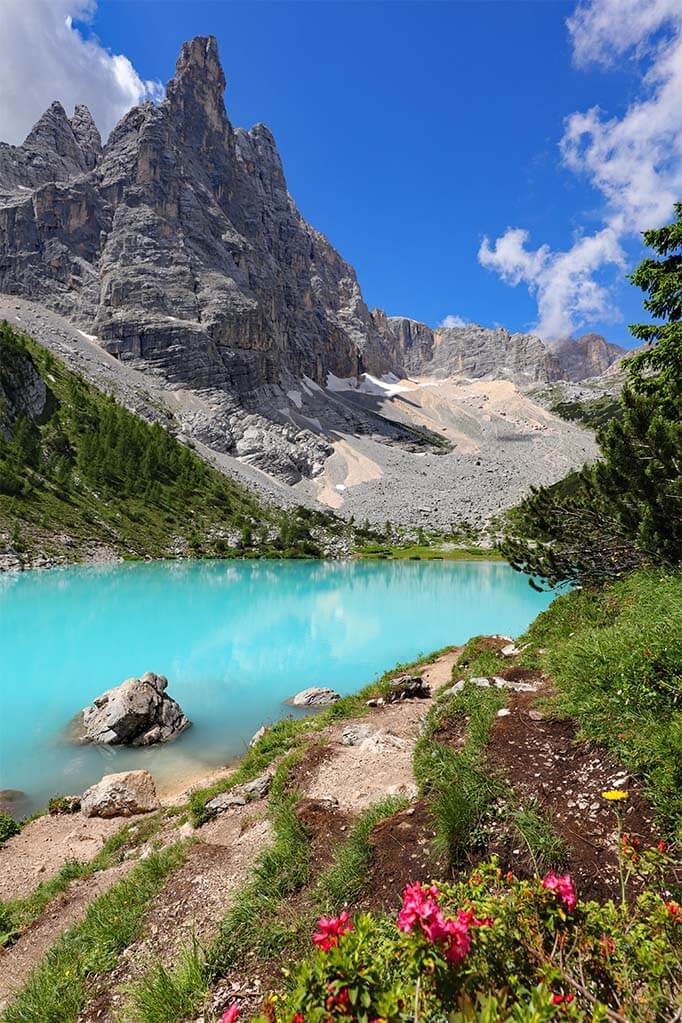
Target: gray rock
{"type": "Point", "coordinates": [454, 690]}
{"type": "Point", "coordinates": [120, 795]}
{"type": "Point", "coordinates": [226, 801]}
{"type": "Point", "coordinates": [257, 736]}
{"type": "Point", "coordinates": [353, 735]}
{"type": "Point", "coordinates": [258, 787]}
{"type": "Point", "coordinates": [137, 713]}
{"type": "Point", "coordinates": [240, 795]}
{"type": "Point", "coordinates": [517, 687]}
{"type": "Point", "coordinates": [408, 687]}
{"type": "Point", "coordinates": [314, 696]}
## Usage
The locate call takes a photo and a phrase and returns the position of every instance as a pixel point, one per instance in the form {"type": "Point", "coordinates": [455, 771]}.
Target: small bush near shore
{"type": "Point", "coordinates": [8, 826]}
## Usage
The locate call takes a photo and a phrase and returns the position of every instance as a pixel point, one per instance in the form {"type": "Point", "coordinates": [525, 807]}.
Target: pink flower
{"type": "Point", "coordinates": [330, 929]}
{"type": "Point", "coordinates": [563, 887]}
{"type": "Point", "coordinates": [231, 1013]}
{"type": "Point", "coordinates": [421, 907]}
{"type": "Point", "coordinates": [562, 999]}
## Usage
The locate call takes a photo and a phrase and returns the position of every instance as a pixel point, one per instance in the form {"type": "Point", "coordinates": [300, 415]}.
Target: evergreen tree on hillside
{"type": "Point", "coordinates": [626, 510]}
{"type": "Point", "coordinates": [658, 369]}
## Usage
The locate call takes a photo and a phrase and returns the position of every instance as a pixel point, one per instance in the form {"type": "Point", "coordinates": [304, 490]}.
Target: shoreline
{"type": "Point", "coordinates": [13, 565]}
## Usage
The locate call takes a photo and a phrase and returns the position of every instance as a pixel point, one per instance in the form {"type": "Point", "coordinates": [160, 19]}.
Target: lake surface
{"type": "Point", "coordinates": [235, 639]}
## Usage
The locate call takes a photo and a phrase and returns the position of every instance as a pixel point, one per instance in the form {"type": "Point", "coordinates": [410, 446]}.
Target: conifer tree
{"type": "Point", "coordinates": [626, 510]}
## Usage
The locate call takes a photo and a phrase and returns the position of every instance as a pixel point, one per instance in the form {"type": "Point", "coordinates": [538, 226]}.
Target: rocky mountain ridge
{"type": "Point", "coordinates": [492, 353]}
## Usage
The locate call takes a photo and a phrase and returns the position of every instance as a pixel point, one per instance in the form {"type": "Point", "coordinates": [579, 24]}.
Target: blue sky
{"type": "Point", "coordinates": [409, 131]}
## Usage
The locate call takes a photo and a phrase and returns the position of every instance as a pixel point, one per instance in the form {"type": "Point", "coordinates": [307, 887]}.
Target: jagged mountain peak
{"type": "Point", "coordinates": [52, 130]}
{"type": "Point", "coordinates": [87, 134]}
{"type": "Point", "coordinates": [56, 149]}
{"type": "Point", "coordinates": [198, 86]}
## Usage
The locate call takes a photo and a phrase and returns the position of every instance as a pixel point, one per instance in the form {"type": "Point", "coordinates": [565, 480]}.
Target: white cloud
{"type": "Point", "coordinates": [562, 282]}
{"type": "Point", "coordinates": [634, 161]}
{"type": "Point", "coordinates": [43, 57]}
{"type": "Point", "coordinates": [453, 321]}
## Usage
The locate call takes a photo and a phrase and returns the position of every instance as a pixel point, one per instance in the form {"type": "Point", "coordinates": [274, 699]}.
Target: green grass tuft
{"type": "Point", "coordinates": [547, 850]}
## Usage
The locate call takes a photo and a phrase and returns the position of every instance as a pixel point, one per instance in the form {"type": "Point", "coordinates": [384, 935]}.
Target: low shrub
{"type": "Point", "coordinates": [8, 826]}
{"type": "Point", "coordinates": [494, 949]}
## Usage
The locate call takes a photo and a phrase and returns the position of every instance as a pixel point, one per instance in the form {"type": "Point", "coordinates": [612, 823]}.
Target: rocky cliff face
{"type": "Point", "coordinates": [23, 392]}
{"type": "Point", "coordinates": [178, 244]}
{"type": "Point", "coordinates": [481, 352]}
{"type": "Point", "coordinates": [587, 356]}
{"type": "Point", "coordinates": [478, 352]}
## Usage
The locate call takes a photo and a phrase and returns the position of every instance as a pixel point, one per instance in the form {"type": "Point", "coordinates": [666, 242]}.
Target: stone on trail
{"type": "Point", "coordinates": [408, 687]}
{"type": "Point", "coordinates": [120, 795]}
{"type": "Point", "coordinates": [314, 696]}
{"type": "Point", "coordinates": [240, 795]}
{"type": "Point", "coordinates": [137, 713]}
{"type": "Point", "coordinates": [225, 801]}
{"type": "Point", "coordinates": [510, 650]}
{"type": "Point", "coordinates": [353, 735]}
{"type": "Point", "coordinates": [517, 687]}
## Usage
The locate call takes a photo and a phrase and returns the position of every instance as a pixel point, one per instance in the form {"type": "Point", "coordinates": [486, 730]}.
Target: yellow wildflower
{"type": "Point", "coordinates": [615, 794]}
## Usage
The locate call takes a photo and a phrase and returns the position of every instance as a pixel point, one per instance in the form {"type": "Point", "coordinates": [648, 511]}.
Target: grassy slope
{"type": "Point", "coordinates": [94, 473]}
{"type": "Point", "coordinates": [616, 658]}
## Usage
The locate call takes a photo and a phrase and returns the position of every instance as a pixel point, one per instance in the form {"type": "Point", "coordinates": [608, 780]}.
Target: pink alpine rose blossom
{"type": "Point", "coordinates": [421, 908]}
{"type": "Point", "coordinates": [330, 929]}
{"type": "Point", "coordinates": [561, 885]}
{"type": "Point", "coordinates": [230, 1014]}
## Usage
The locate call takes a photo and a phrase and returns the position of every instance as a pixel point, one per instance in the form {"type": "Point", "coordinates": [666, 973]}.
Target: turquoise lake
{"type": "Point", "coordinates": [235, 639]}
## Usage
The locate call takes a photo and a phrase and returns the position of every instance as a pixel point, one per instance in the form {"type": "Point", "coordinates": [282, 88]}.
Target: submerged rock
{"type": "Point", "coordinates": [14, 802]}
{"type": "Point", "coordinates": [120, 795]}
{"type": "Point", "coordinates": [137, 713]}
{"type": "Point", "coordinates": [314, 696]}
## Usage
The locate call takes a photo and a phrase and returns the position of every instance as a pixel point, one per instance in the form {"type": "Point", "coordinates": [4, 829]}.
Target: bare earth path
{"type": "Point", "coordinates": [381, 765]}
{"type": "Point", "coordinates": [43, 846]}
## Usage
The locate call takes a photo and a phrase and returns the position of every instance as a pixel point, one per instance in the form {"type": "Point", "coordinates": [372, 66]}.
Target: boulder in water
{"type": "Point", "coordinates": [137, 713]}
